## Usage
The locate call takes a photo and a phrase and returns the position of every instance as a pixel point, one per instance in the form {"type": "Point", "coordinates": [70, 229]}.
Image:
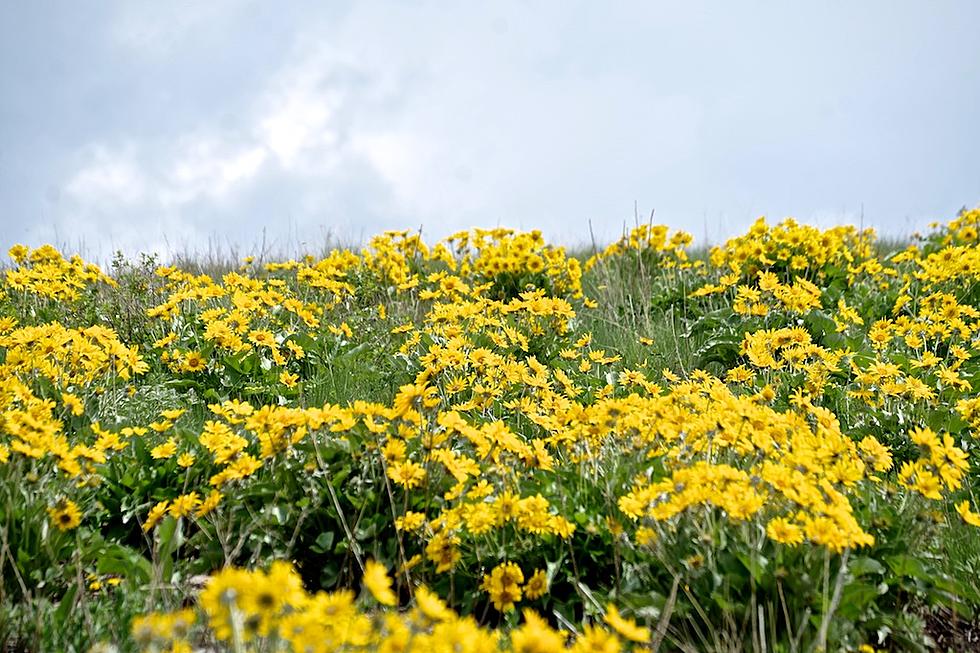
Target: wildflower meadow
{"type": "Point", "coordinates": [495, 443]}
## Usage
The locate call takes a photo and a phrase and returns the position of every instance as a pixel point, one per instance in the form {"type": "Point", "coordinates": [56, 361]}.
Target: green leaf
{"type": "Point", "coordinates": [857, 596]}
{"type": "Point", "coordinates": [862, 566]}
{"type": "Point", "coordinates": [169, 538]}
{"type": "Point", "coordinates": [906, 566]}
{"type": "Point", "coordinates": [324, 542]}
{"type": "Point", "coordinates": [65, 606]}
{"type": "Point", "coordinates": [755, 564]}
{"type": "Point", "coordinates": [121, 561]}
{"type": "Point", "coordinates": [721, 349]}
{"type": "Point", "coordinates": [819, 323]}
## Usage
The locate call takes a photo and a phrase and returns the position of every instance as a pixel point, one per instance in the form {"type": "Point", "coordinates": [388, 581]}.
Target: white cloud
{"type": "Point", "coordinates": [451, 150]}
{"type": "Point", "coordinates": [296, 124]}
{"type": "Point", "coordinates": [108, 177]}
{"type": "Point", "coordinates": [405, 163]}
{"type": "Point", "coordinates": [207, 167]}
{"type": "Point", "coordinates": [292, 128]}
{"type": "Point", "coordinates": [527, 115]}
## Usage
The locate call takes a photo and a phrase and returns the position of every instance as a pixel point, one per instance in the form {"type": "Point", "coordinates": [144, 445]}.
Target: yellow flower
{"type": "Point", "coordinates": [431, 605]}
{"type": "Point", "coordinates": [536, 636]}
{"type": "Point", "coordinates": [377, 582]}
{"type": "Point", "coordinates": [645, 536]}
{"type": "Point", "coordinates": [970, 517]}
{"type": "Point", "coordinates": [221, 595]}
{"type": "Point", "coordinates": [165, 450]}
{"type": "Point", "coordinates": [407, 474]}
{"type": "Point", "coordinates": [410, 522]}
{"type": "Point", "coordinates": [161, 427]}
{"type": "Point", "coordinates": [155, 515]}
{"type": "Point", "coordinates": [209, 504]}
{"type": "Point", "coordinates": [193, 362]}
{"type": "Point", "coordinates": [928, 485]}
{"type": "Point", "coordinates": [164, 341]}
{"type": "Point", "coordinates": [263, 598]}
{"type": "Point", "coordinates": [297, 350]}
{"type": "Point", "coordinates": [876, 454]}
{"type": "Point", "coordinates": [72, 403]}
{"type": "Point", "coordinates": [951, 462]}
{"type": "Point", "coordinates": [503, 584]}
{"type": "Point", "coordinates": [184, 505]}
{"type": "Point", "coordinates": [65, 515]}
{"type": "Point", "coordinates": [782, 530]}
{"type": "Point", "coordinates": [626, 627]}
{"type": "Point", "coordinates": [537, 585]}
{"type": "Point", "coordinates": [596, 640]}
{"type": "Point", "coordinates": [18, 253]}
{"type": "Point", "coordinates": [443, 551]}
{"type": "Point", "coordinates": [411, 397]}
{"type": "Point", "coordinates": [924, 437]}
{"type": "Point", "coordinates": [262, 337]}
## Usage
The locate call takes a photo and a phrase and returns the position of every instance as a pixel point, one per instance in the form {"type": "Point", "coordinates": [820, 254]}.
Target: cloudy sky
{"type": "Point", "coordinates": [170, 126]}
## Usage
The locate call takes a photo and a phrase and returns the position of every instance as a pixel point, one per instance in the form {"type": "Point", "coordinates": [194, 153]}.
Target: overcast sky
{"type": "Point", "coordinates": [172, 125]}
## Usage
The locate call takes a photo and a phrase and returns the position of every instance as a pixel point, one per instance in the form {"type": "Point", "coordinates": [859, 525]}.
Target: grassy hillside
{"type": "Point", "coordinates": [488, 444]}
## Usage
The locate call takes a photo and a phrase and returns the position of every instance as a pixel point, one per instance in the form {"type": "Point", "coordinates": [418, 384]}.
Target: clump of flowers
{"type": "Point", "coordinates": [45, 273]}
{"type": "Point", "coordinates": [793, 248]}
{"type": "Point", "coordinates": [650, 241]}
{"type": "Point", "coordinates": [270, 611]}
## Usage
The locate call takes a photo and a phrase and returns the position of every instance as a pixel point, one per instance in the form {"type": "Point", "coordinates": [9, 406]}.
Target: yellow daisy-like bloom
{"type": "Point", "coordinates": [537, 585]}
{"type": "Point", "coordinates": [408, 474]}
{"type": "Point", "coordinates": [72, 403]}
{"type": "Point", "coordinates": [536, 635]}
{"type": "Point", "coordinates": [184, 505]}
{"type": "Point", "coordinates": [65, 515]}
{"type": "Point", "coordinates": [162, 426]}
{"type": "Point", "coordinates": [595, 639]}
{"type": "Point", "coordinates": [165, 450]}
{"type": "Point", "coordinates": [194, 362]}
{"type": "Point", "coordinates": [209, 504]}
{"type": "Point", "coordinates": [221, 597]}
{"type": "Point", "coordinates": [431, 605]}
{"type": "Point", "coordinates": [442, 549]}
{"type": "Point", "coordinates": [377, 582]}
{"type": "Point", "coordinates": [626, 627]}
{"type": "Point", "coordinates": [784, 531]}
{"type": "Point", "coordinates": [503, 585]}
{"type": "Point", "coordinates": [970, 517]}
{"type": "Point", "coordinates": [156, 513]}
{"type": "Point", "coordinates": [263, 599]}
{"type": "Point", "coordinates": [262, 337]}
{"type": "Point", "coordinates": [410, 522]}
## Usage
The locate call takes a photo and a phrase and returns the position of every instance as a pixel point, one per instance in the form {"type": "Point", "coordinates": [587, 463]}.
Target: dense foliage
{"type": "Point", "coordinates": [488, 444]}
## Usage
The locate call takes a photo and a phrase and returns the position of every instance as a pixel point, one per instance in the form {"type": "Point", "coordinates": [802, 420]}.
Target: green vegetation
{"type": "Point", "coordinates": [490, 444]}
